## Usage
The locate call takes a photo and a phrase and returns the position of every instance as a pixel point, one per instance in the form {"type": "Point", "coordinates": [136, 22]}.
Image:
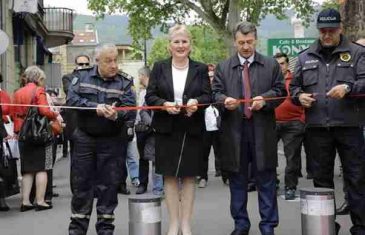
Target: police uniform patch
{"type": "Point", "coordinates": [345, 57]}
{"type": "Point", "coordinates": [126, 75]}
{"type": "Point", "coordinates": [75, 80]}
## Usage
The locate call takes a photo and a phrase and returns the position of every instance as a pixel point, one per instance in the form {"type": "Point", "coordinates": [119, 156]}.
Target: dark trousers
{"type": "Point", "coordinates": [211, 138]}
{"type": "Point", "coordinates": [143, 163]}
{"type": "Point", "coordinates": [292, 134]}
{"type": "Point", "coordinates": [96, 165]}
{"type": "Point", "coordinates": [124, 170]}
{"type": "Point", "coordinates": [308, 155]}
{"type": "Point", "coordinates": [265, 183]}
{"type": "Point", "coordinates": [348, 141]}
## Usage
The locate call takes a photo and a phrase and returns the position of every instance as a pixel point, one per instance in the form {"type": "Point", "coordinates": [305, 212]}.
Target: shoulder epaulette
{"type": "Point", "coordinates": [126, 75]}
{"type": "Point", "coordinates": [303, 50]}
{"type": "Point", "coordinates": [358, 44]}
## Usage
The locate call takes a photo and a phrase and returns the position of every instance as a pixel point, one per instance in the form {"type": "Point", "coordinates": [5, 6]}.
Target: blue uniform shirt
{"type": "Point", "coordinates": [88, 89]}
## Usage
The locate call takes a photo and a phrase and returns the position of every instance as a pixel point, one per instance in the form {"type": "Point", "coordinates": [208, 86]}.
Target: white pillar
{"type": "Point", "coordinates": [297, 27]}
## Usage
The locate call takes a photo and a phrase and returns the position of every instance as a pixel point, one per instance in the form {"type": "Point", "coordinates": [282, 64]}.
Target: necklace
{"type": "Point", "coordinates": [180, 67]}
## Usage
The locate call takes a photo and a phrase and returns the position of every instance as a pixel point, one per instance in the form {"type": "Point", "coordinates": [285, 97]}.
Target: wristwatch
{"type": "Point", "coordinates": [347, 88]}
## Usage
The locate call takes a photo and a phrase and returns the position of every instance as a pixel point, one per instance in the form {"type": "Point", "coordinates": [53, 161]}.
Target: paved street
{"type": "Point", "coordinates": [211, 216]}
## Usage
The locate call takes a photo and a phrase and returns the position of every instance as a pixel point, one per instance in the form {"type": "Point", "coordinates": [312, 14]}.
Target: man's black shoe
{"type": "Point", "coordinates": [225, 180]}
{"type": "Point", "coordinates": [309, 176]}
{"type": "Point", "coordinates": [239, 232]}
{"type": "Point", "coordinates": [344, 209]}
{"type": "Point", "coordinates": [289, 193]}
{"type": "Point", "coordinates": [337, 228]}
{"type": "Point", "coordinates": [141, 189]}
{"type": "Point", "coordinates": [251, 187]}
{"type": "Point", "coordinates": [124, 190]}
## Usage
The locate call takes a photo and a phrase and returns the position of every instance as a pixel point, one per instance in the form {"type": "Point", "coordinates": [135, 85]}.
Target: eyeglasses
{"type": "Point", "coordinates": [83, 64]}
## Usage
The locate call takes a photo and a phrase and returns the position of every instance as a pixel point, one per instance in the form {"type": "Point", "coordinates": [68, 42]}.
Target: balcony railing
{"type": "Point", "coordinates": [59, 19]}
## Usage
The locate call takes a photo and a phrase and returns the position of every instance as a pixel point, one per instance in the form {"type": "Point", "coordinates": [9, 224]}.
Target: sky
{"type": "Point", "coordinates": [80, 6]}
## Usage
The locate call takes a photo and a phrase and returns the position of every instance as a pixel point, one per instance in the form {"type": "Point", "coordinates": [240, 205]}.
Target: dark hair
{"type": "Point", "coordinates": [82, 55]}
{"type": "Point", "coordinates": [211, 67]}
{"type": "Point", "coordinates": [51, 91]}
{"type": "Point", "coordinates": [245, 28]}
{"type": "Point", "coordinates": [281, 54]}
{"type": "Point", "coordinates": [1, 78]}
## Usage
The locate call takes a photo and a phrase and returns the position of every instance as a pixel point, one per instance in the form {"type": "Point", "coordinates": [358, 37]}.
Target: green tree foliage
{"type": "Point", "coordinates": [159, 50]}
{"type": "Point", "coordinates": [208, 47]}
{"type": "Point", "coordinates": [331, 4]}
{"type": "Point", "coordinates": [221, 15]}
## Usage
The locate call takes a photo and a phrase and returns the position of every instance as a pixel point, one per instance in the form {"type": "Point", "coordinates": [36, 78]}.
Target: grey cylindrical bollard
{"type": "Point", "coordinates": [144, 215]}
{"type": "Point", "coordinates": [317, 207]}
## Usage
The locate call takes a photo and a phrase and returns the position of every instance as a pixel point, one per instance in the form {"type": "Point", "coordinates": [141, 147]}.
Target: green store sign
{"type": "Point", "coordinates": [289, 46]}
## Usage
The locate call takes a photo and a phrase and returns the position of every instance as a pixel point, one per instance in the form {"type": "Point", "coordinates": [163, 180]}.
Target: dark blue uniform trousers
{"type": "Point", "coordinates": [96, 171]}
{"type": "Point", "coordinates": [349, 143]}
{"type": "Point", "coordinates": [265, 183]}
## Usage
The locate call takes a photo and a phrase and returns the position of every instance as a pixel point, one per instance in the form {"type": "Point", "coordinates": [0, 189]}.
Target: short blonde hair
{"type": "Point", "coordinates": [34, 74]}
{"type": "Point", "coordinates": [179, 28]}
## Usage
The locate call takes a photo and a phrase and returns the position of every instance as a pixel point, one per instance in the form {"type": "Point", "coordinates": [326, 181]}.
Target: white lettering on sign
{"type": "Point", "coordinates": [290, 50]}
{"type": "Point", "coordinates": [283, 42]}
{"type": "Point", "coordinates": [328, 18]}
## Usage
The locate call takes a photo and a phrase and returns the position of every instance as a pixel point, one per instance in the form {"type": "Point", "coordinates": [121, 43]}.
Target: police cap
{"type": "Point", "coordinates": [329, 18]}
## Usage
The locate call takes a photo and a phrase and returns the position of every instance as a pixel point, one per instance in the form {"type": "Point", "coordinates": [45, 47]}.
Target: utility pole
{"type": "Point", "coordinates": [145, 52]}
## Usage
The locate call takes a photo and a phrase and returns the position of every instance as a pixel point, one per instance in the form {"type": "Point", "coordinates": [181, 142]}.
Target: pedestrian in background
{"type": "Point", "coordinates": [211, 138]}
{"type": "Point", "coordinates": [326, 75]}
{"type": "Point", "coordinates": [290, 129]}
{"type": "Point", "coordinates": [35, 160]}
{"type": "Point", "coordinates": [69, 115]}
{"type": "Point", "coordinates": [4, 110]}
{"type": "Point", "coordinates": [146, 140]}
{"type": "Point", "coordinates": [248, 133]}
{"type": "Point", "coordinates": [179, 131]}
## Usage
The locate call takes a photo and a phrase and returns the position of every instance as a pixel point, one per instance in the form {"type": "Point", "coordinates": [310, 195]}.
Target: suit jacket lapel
{"type": "Point", "coordinates": [191, 74]}
{"type": "Point", "coordinates": [168, 75]}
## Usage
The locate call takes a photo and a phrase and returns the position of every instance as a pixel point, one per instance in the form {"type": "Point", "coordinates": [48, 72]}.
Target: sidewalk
{"type": "Point", "coordinates": [211, 214]}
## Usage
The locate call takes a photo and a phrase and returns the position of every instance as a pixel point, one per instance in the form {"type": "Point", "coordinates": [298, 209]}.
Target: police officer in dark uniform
{"type": "Point", "coordinates": [326, 75]}
{"type": "Point", "coordinates": [97, 159]}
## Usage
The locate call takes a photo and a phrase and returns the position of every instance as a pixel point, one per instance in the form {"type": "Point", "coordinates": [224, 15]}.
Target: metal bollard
{"type": "Point", "coordinates": [144, 215]}
{"type": "Point", "coordinates": [317, 206]}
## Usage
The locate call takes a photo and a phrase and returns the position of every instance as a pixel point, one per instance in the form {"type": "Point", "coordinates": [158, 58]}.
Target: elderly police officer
{"type": "Point", "coordinates": [326, 75]}
{"type": "Point", "coordinates": [97, 161]}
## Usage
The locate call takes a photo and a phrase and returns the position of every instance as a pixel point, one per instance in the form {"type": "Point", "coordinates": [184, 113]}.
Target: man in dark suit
{"type": "Point", "coordinates": [81, 61]}
{"type": "Point", "coordinates": [248, 129]}
{"type": "Point", "coordinates": [70, 115]}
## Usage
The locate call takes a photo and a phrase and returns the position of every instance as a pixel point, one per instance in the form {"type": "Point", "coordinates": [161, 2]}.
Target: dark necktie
{"type": "Point", "coordinates": [247, 89]}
